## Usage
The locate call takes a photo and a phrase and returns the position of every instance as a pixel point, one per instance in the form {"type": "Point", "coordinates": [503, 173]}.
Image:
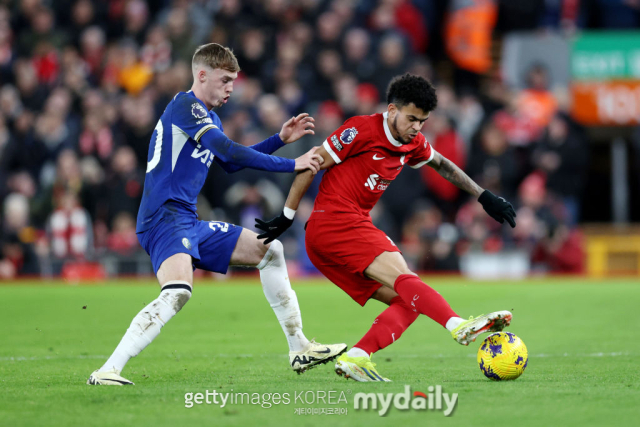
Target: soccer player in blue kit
{"type": "Point", "coordinates": [186, 141]}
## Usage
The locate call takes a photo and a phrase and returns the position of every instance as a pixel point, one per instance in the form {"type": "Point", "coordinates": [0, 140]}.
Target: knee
{"type": "Point", "coordinates": [398, 271]}
{"type": "Point", "coordinates": [273, 256]}
{"type": "Point", "coordinates": [276, 247]}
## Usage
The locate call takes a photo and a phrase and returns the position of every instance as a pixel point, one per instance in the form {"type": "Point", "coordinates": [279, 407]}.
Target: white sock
{"type": "Point", "coordinates": [283, 300]}
{"type": "Point", "coordinates": [453, 323]}
{"type": "Point", "coordinates": [146, 326]}
{"type": "Point", "coordinates": [357, 352]}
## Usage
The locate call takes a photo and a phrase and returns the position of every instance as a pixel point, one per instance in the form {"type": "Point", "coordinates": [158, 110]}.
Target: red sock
{"type": "Point", "coordinates": [423, 299]}
{"type": "Point", "coordinates": [388, 326]}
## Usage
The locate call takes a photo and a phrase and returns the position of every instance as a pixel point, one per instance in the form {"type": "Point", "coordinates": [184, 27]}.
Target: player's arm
{"type": "Point", "coordinates": [231, 152]}
{"type": "Point", "coordinates": [267, 146]}
{"type": "Point", "coordinates": [452, 173]}
{"type": "Point", "coordinates": [292, 130]}
{"type": "Point", "coordinates": [274, 228]}
{"type": "Point", "coordinates": [304, 179]}
{"type": "Point", "coordinates": [497, 207]}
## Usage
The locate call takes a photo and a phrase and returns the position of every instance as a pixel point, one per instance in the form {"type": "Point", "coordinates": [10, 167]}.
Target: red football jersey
{"type": "Point", "coordinates": [367, 159]}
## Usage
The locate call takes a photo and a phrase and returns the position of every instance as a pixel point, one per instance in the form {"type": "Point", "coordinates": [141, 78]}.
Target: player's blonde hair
{"type": "Point", "coordinates": [215, 56]}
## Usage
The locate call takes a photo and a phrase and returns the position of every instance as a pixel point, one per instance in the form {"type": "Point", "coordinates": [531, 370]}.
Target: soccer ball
{"type": "Point", "coordinates": [502, 356]}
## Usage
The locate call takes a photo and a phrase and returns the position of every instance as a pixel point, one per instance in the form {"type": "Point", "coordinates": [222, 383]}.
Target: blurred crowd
{"type": "Point", "coordinates": [83, 82]}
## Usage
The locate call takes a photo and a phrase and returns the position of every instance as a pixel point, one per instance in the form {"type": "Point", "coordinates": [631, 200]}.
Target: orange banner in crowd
{"type": "Point", "coordinates": [613, 103]}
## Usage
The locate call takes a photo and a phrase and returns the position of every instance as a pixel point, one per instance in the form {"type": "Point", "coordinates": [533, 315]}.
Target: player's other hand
{"type": "Point", "coordinates": [273, 228]}
{"type": "Point", "coordinates": [498, 208]}
{"type": "Point", "coordinates": [309, 160]}
{"type": "Point", "coordinates": [297, 127]}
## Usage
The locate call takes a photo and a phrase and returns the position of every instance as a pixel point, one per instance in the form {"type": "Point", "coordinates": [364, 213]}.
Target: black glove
{"type": "Point", "coordinates": [274, 228]}
{"type": "Point", "coordinates": [498, 208]}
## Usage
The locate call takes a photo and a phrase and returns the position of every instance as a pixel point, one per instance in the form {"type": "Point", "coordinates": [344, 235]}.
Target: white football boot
{"type": "Point", "coordinates": [314, 354]}
{"type": "Point", "coordinates": [469, 330]}
{"type": "Point", "coordinates": [110, 377]}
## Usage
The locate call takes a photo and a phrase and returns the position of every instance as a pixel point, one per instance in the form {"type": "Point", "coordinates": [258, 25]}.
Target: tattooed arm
{"type": "Point", "coordinates": [452, 173]}
{"type": "Point", "coordinates": [497, 207]}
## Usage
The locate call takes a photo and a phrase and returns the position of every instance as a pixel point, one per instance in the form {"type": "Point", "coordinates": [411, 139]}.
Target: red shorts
{"type": "Point", "coordinates": [342, 250]}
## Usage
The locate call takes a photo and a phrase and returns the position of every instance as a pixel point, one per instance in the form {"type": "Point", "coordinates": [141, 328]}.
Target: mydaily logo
{"type": "Point", "coordinates": [433, 400]}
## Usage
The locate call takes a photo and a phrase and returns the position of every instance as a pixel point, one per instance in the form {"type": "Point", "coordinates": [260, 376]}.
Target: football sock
{"type": "Point", "coordinates": [357, 352]}
{"type": "Point", "coordinates": [146, 326]}
{"type": "Point", "coordinates": [453, 323]}
{"type": "Point", "coordinates": [387, 327]}
{"type": "Point", "coordinates": [283, 300]}
{"type": "Point", "coordinates": [423, 299]}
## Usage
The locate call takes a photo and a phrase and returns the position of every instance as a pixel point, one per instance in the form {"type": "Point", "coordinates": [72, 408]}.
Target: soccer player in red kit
{"type": "Point", "coordinates": [363, 157]}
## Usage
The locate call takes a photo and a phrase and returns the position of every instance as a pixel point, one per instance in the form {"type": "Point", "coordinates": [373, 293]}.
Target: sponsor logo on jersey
{"type": "Point", "coordinates": [374, 182]}
{"type": "Point", "coordinates": [205, 156]}
{"type": "Point", "coordinates": [377, 158]}
{"type": "Point", "coordinates": [336, 143]}
{"type": "Point", "coordinates": [198, 110]}
{"type": "Point", "coordinates": [371, 181]}
{"type": "Point", "coordinates": [186, 243]}
{"type": "Point", "coordinates": [383, 184]}
{"type": "Point", "coordinates": [348, 135]}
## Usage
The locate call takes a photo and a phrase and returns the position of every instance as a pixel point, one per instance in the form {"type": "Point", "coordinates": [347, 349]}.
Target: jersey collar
{"type": "Point", "coordinates": [387, 131]}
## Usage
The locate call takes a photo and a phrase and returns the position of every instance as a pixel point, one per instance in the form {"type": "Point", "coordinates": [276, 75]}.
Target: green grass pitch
{"type": "Point", "coordinates": [582, 337]}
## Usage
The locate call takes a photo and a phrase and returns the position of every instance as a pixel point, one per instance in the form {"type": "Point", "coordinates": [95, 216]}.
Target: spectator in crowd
{"type": "Point", "coordinates": [443, 138]}
{"type": "Point", "coordinates": [124, 185]}
{"type": "Point", "coordinates": [562, 155]}
{"type": "Point", "coordinates": [492, 161]}
{"type": "Point", "coordinates": [17, 254]}
{"type": "Point", "coordinates": [69, 228]}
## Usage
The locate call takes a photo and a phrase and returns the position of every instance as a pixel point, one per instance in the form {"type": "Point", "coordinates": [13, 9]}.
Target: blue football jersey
{"type": "Point", "coordinates": [177, 164]}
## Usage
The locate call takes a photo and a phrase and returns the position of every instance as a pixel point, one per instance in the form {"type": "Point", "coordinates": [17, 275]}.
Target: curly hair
{"type": "Point", "coordinates": [408, 88]}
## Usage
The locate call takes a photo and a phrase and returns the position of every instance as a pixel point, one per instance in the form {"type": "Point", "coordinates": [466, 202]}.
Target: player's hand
{"type": "Point", "coordinates": [274, 228]}
{"type": "Point", "coordinates": [297, 127]}
{"type": "Point", "coordinates": [309, 160]}
{"type": "Point", "coordinates": [498, 208]}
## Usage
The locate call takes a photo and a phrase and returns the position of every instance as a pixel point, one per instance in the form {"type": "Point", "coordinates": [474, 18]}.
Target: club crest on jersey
{"type": "Point", "coordinates": [198, 110]}
{"type": "Point", "coordinates": [186, 243]}
{"type": "Point", "coordinates": [348, 135]}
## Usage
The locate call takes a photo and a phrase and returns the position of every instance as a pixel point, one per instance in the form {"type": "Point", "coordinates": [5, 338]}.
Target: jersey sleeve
{"type": "Point", "coordinates": [422, 155]}
{"type": "Point", "coordinates": [267, 146]}
{"type": "Point", "coordinates": [231, 152]}
{"type": "Point", "coordinates": [190, 116]}
{"type": "Point", "coordinates": [349, 139]}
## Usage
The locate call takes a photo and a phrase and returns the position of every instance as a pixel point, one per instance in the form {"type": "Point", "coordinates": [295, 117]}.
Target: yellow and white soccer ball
{"type": "Point", "coordinates": [502, 356]}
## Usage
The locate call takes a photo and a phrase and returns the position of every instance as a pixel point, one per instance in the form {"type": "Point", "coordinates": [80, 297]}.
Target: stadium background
{"type": "Point", "coordinates": [84, 82]}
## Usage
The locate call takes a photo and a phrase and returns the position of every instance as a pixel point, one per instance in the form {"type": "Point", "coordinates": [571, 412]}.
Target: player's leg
{"type": "Point", "coordinates": [175, 276]}
{"type": "Point", "coordinates": [338, 262]}
{"type": "Point", "coordinates": [388, 326]}
{"type": "Point", "coordinates": [390, 269]}
{"type": "Point", "coordinates": [269, 259]}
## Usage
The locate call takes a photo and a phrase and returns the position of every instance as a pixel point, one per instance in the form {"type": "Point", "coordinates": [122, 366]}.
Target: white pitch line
{"type": "Point", "coordinates": [27, 359]}
{"type": "Point", "coordinates": [444, 356]}
{"type": "Point", "coordinates": [209, 356]}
